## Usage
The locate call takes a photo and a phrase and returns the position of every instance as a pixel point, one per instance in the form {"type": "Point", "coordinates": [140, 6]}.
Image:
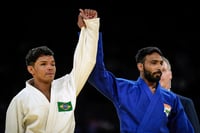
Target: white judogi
{"type": "Point", "coordinates": [31, 112]}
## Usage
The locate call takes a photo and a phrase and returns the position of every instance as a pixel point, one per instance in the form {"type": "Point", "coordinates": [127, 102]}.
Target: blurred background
{"type": "Point", "coordinates": [125, 27]}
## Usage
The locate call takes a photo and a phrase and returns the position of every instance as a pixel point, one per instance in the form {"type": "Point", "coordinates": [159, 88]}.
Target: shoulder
{"type": "Point", "coordinates": [184, 99]}
{"type": "Point", "coordinates": [126, 82]}
{"type": "Point", "coordinates": [20, 97]}
{"type": "Point", "coordinates": [169, 96]}
{"type": "Point", "coordinates": [167, 93]}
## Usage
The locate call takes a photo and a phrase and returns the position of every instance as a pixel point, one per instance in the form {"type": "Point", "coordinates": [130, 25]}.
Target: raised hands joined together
{"type": "Point", "coordinates": [86, 14]}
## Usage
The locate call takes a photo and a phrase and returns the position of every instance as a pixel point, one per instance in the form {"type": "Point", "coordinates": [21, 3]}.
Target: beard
{"type": "Point", "coordinates": [152, 77]}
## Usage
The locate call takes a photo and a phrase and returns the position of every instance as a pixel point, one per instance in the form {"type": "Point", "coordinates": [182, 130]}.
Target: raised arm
{"type": "Point", "coordinates": [86, 49]}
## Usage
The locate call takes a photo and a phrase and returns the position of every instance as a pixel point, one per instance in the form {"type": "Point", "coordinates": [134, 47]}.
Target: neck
{"type": "Point", "coordinates": [45, 88]}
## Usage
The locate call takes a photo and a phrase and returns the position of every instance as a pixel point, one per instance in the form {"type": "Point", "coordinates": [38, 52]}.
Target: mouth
{"type": "Point", "coordinates": [50, 74]}
{"type": "Point", "coordinates": [158, 73]}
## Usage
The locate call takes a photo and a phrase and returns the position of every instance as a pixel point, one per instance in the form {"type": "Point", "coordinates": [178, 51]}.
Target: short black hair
{"type": "Point", "coordinates": [143, 52]}
{"type": "Point", "coordinates": [34, 53]}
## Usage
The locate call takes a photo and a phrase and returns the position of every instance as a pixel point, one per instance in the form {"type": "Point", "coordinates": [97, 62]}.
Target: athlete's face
{"type": "Point", "coordinates": [44, 69]}
{"type": "Point", "coordinates": [152, 67]}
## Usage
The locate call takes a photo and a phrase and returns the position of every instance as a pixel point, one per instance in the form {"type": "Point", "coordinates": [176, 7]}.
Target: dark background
{"type": "Point", "coordinates": [126, 28]}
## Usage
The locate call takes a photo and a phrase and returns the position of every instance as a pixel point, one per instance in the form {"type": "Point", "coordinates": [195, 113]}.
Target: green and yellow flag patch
{"type": "Point", "coordinates": [64, 106]}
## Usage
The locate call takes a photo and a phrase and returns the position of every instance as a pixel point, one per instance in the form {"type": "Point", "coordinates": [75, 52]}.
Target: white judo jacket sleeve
{"type": "Point", "coordinates": [85, 54]}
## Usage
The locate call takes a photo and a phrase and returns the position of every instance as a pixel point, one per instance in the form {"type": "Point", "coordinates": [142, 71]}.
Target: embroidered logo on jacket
{"type": "Point", "coordinates": [167, 109]}
{"type": "Point", "coordinates": [64, 106]}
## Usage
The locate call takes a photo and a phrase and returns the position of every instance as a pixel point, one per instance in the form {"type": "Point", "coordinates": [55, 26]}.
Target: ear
{"type": "Point", "coordinates": [140, 66]}
{"type": "Point", "coordinates": [30, 69]}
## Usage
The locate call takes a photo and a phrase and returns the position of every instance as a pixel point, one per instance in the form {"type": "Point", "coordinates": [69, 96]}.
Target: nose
{"type": "Point", "coordinates": [50, 66]}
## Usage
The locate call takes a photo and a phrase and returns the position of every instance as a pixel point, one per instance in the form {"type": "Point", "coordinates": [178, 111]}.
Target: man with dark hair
{"type": "Point", "coordinates": [47, 105]}
{"type": "Point", "coordinates": [143, 105]}
{"type": "Point", "coordinates": [187, 103]}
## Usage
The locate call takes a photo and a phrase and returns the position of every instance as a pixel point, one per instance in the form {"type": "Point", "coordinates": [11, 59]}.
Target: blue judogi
{"type": "Point", "coordinates": [138, 109]}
